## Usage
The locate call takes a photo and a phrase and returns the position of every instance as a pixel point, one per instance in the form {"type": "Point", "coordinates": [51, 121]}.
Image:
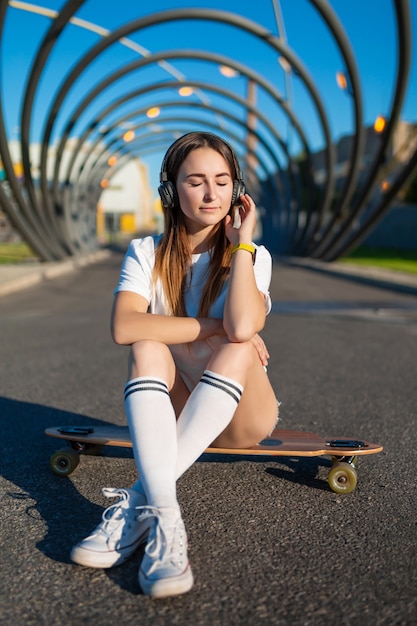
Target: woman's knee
{"type": "Point", "coordinates": [235, 359]}
{"type": "Point", "coordinates": [151, 358]}
{"type": "Point", "coordinates": [255, 418]}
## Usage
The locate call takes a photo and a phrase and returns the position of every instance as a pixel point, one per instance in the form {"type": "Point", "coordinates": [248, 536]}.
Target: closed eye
{"type": "Point", "coordinates": [194, 180]}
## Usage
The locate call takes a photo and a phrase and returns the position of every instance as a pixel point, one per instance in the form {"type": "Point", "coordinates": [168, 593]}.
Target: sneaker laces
{"type": "Point", "coordinates": [167, 540]}
{"type": "Point", "coordinates": [115, 514]}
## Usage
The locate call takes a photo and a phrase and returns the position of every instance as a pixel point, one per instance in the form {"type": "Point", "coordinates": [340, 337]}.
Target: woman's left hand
{"type": "Point", "coordinates": [247, 214]}
{"type": "Point", "coordinates": [259, 345]}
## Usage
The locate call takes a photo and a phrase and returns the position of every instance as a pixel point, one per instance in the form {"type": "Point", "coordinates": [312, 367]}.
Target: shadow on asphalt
{"type": "Point", "coordinates": [51, 500]}
{"type": "Point", "coordinates": [56, 504]}
{"type": "Point", "coordinates": [304, 474]}
{"type": "Point", "coordinates": [297, 470]}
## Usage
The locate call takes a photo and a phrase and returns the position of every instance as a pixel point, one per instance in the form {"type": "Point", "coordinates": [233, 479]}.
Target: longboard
{"type": "Point", "coordinates": [344, 452]}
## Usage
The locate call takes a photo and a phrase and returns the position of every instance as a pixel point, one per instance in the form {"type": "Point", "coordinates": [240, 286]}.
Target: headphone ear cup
{"type": "Point", "coordinates": [238, 190]}
{"type": "Point", "coordinates": [168, 194]}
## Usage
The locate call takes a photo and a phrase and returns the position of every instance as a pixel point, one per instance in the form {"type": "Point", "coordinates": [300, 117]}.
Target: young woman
{"type": "Point", "coordinates": [190, 304]}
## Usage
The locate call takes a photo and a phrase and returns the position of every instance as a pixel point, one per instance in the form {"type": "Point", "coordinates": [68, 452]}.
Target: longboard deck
{"type": "Point", "coordinates": [279, 443]}
{"type": "Point", "coordinates": [342, 477]}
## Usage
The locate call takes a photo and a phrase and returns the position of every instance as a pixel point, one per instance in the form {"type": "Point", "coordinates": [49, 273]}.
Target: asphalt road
{"type": "Point", "coordinates": [269, 542]}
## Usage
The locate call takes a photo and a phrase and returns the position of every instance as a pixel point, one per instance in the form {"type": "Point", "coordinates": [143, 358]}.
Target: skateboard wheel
{"type": "Point", "coordinates": [64, 462]}
{"type": "Point", "coordinates": [342, 478]}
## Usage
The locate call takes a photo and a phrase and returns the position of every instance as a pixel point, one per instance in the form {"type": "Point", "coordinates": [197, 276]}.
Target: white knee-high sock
{"type": "Point", "coordinates": [152, 425]}
{"type": "Point", "coordinates": [207, 412]}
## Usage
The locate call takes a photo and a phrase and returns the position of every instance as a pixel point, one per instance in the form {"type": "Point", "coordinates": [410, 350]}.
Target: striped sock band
{"type": "Point", "coordinates": [221, 382]}
{"type": "Point", "coordinates": [145, 383]}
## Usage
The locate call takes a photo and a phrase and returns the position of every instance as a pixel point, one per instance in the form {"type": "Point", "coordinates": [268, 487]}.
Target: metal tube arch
{"type": "Point", "coordinates": [132, 150]}
{"type": "Point", "coordinates": [343, 43]}
{"type": "Point", "coordinates": [100, 118]}
{"type": "Point", "coordinates": [356, 237]}
{"type": "Point", "coordinates": [197, 106]}
{"type": "Point", "coordinates": [222, 60]}
{"type": "Point", "coordinates": [205, 14]}
{"type": "Point", "coordinates": [54, 232]}
{"type": "Point", "coordinates": [204, 56]}
{"type": "Point", "coordinates": [182, 125]}
{"type": "Point", "coordinates": [39, 62]}
{"type": "Point", "coordinates": [403, 17]}
{"type": "Point", "coordinates": [109, 172]}
{"type": "Point", "coordinates": [193, 105]}
{"type": "Point", "coordinates": [16, 207]}
{"type": "Point", "coordinates": [87, 172]}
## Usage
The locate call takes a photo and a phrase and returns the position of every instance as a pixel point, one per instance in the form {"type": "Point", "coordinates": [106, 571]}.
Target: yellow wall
{"type": "Point", "coordinates": [127, 223]}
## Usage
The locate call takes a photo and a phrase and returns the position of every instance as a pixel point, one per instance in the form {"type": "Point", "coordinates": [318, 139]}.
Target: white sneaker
{"type": "Point", "coordinates": [165, 569]}
{"type": "Point", "coordinates": [119, 533]}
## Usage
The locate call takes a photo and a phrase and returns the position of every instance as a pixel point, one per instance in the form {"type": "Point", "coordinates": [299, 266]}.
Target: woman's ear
{"type": "Point", "coordinates": [228, 219]}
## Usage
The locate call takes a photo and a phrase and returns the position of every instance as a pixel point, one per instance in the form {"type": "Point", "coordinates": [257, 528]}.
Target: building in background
{"type": "Point", "coordinates": [126, 205]}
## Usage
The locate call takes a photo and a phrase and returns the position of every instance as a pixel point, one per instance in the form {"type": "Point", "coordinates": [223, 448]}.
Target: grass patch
{"type": "Point", "coordinates": [384, 258]}
{"type": "Point", "coordinates": [14, 252]}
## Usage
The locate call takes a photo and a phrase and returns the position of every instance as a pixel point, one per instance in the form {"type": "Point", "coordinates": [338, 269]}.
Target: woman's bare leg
{"type": "Point", "coordinates": [252, 420]}
{"type": "Point", "coordinates": [257, 412]}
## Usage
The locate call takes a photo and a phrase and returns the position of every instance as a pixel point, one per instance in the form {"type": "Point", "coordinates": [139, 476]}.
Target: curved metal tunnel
{"type": "Point", "coordinates": [56, 213]}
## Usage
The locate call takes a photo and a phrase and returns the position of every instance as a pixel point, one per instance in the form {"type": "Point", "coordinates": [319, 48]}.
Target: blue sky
{"type": "Point", "coordinates": [368, 24]}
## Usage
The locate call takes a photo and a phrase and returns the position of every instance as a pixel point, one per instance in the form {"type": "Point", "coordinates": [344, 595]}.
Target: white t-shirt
{"type": "Point", "coordinates": [137, 268]}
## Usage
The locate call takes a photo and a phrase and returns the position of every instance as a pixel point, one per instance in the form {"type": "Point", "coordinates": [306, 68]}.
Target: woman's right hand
{"type": "Point", "coordinates": [247, 215]}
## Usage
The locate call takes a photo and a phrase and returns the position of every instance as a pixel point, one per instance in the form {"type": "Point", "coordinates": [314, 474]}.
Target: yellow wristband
{"type": "Point", "coordinates": [245, 246]}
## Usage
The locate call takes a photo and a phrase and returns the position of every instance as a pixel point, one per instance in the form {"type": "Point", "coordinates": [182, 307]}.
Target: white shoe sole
{"type": "Point", "coordinates": [165, 587]}
{"type": "Point", "coordinates": [104, 560]}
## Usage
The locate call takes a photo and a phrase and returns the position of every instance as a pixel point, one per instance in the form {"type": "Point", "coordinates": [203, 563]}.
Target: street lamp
{"type": "Point", "coordinates": [153, 112]}
{"type": "Point", "coordinates": [380, 124]}
{"type": "Point", "coordinates": [185, 91]}
{"type": "Point", "coordinates": [228, 72]}
{"type": "Point", "coordinates": [129, 136]}
{"type": "Point", "coordinates": [343, 82]}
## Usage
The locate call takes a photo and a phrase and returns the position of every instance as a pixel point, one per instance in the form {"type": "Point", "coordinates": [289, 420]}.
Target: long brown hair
{"type": "Point", "coordinates": [173, 254]}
